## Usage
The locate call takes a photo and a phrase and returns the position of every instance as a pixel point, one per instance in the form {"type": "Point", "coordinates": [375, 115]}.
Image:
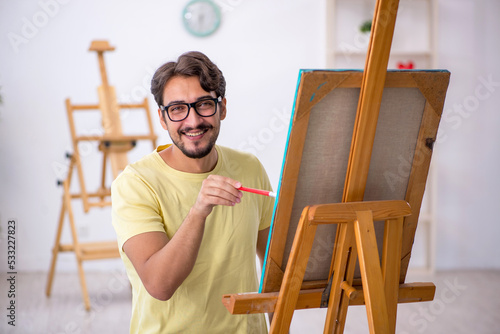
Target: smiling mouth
{"type": "Point", "coordinates": [196, 133]}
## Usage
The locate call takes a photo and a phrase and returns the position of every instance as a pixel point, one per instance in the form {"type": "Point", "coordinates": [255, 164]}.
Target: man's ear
{"type": "Point", "coordinates": [223, 109]}
{"type": "Point", "coordinates": [162, 119]}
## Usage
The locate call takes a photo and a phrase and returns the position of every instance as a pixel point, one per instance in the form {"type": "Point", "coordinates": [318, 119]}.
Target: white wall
{"type": "Point", "coordinates": [468, 152]}
{"type": "Point", "coordinates": [260, 47]}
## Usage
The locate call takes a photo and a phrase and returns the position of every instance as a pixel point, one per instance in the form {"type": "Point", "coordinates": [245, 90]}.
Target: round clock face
{"type": "Point", "coordinates": [201, 17]}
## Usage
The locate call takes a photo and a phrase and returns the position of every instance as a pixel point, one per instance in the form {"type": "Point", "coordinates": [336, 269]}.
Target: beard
{"type": "Point", "coordinates": [199, 150]}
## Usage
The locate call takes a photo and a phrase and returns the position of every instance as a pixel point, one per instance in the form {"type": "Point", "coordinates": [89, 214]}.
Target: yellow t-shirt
{"type": "Point", "coordinates": [151, 196]}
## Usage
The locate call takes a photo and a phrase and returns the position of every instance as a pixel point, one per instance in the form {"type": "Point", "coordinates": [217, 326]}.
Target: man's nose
{"type": "Point", "coordinates": [193, 119]}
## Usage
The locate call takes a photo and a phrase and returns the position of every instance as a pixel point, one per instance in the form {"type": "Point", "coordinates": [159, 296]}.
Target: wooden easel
{"type": "Point", "coordinates": [381, 285]}
{"type": "Point", "coordinates": [114, 146]}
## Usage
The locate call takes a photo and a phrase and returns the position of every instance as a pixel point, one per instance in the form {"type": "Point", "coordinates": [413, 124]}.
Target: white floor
{"type": "Point", "coordinates": [465, 302]}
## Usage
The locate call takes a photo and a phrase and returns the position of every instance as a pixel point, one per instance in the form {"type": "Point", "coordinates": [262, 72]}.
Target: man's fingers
{"type": "Point", "coordinates": [223, 187]}
{"type": "Point", "coordinates": [217, 200]}
{"type": "Point", "coordinates": [222, 192]}
{"type": "Point", "coordinates": [217, 190]}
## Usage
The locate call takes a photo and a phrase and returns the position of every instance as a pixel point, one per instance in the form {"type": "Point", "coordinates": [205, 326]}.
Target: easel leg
{"type": "Point", "coordinates": [55, 250]}
{"type": "Point", "coordinates": [391, 266]}
{"type": "Point", "coordinates": [77, 249]}
{"type": "Point", "coordinates": [85, 294]}
{"type": "Point", "coordinates": [64, 206]}
{"type": "Point", "coordinates": [345, 262]}
{"type": "Point", "coordinates": [103, 173]}
{"type": "Point", "coordinates": [371, 273]}
{"type": "Point", "coordinates": [294, 274]}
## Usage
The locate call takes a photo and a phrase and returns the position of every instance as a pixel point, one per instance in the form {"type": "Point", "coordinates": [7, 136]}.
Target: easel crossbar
{"type": "Point", "coordinates": [250, 303]}
{"type": "Point", "coordinates": [118, 139]}
{"type": "Point", "coordinates": [93, 250]}
{"type": "Point", "coordinates": [347, 212]}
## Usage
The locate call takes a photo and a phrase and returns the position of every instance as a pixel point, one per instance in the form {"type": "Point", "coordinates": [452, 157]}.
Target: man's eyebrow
{"type": "Point", "coordinates": [204, 97]}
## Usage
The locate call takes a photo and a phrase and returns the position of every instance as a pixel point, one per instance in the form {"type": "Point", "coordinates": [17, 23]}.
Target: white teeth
{"type": "Point", "coordinates": [194, 134]}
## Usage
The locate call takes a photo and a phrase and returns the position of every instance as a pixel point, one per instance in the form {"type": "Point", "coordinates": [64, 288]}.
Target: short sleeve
{"type": "Point", "coordinates": [135, 207]}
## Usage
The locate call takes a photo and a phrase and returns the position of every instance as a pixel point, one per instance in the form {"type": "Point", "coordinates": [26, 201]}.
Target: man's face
{"type": "Point", "coordinates": [195, 136]}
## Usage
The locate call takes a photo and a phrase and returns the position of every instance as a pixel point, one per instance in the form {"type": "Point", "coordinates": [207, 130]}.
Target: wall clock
{"type": "Point", "coordinates": [201, 17]}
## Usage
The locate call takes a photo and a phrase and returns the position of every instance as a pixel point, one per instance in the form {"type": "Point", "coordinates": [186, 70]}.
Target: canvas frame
{"type": "Point", "coordinates": [313, 87]}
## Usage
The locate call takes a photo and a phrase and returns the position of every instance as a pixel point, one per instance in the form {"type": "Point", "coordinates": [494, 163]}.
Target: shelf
{"type": "Point", "coordinates": [414, 34]}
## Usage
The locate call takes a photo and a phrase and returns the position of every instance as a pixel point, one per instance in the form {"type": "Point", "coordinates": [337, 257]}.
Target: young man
{"type": "Point", "coordinates": [186, 234]}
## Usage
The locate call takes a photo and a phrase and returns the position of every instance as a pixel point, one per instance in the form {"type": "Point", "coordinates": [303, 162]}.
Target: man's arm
{"type": "Point", "coordinates": [163, 264]}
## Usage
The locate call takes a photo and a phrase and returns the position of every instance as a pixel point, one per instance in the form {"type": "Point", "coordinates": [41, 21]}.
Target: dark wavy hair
{"type": "Point", "coordinates": [189, 64]}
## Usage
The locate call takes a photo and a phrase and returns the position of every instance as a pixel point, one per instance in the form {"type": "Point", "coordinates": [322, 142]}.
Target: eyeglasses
{"type": "Point", "coordinates": [177, 112]}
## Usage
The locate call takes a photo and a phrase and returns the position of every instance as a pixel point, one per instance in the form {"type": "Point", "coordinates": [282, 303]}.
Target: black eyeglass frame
{"type": "Point", "coordinates": [164, 109]}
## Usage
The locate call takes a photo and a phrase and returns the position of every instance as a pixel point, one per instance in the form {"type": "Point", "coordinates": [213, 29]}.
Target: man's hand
{"type": "Point", "coordinates": [216, 190]}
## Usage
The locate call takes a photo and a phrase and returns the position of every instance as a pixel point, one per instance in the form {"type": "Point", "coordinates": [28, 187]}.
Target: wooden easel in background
{"type": "Point", "coordinates": [380, 285]}
{"type": "Point", "coordinates": [113, 145]}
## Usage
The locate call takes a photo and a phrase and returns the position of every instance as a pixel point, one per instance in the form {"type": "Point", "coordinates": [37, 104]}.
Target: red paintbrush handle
{"type": "Point", "coordinates": [258, 191]}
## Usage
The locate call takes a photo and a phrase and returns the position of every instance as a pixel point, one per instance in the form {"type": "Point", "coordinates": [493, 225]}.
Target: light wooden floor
{"type": "Point", "coordinates": [465, 302]}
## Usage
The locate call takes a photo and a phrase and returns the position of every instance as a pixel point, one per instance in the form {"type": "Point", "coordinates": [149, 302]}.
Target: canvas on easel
{"type": "Point", "coordinates": [314, 172]}
{"type": "Point", "coordinates": [318, 149]}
